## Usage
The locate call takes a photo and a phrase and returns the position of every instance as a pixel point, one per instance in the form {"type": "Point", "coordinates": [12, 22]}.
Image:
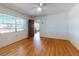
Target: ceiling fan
{"type": "Point", "coordinates": [41, 7]}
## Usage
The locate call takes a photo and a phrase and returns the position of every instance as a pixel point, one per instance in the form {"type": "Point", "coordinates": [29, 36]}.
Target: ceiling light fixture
{"type": "Point", "coordinates": [40, 7]}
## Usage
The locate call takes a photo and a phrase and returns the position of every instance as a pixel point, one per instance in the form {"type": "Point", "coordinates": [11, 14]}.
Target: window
{"type": "Point", "coordinates": [11, 24]}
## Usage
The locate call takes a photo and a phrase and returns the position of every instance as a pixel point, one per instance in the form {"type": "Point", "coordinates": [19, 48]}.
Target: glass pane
{"type": "Point", "coordinates": [12, 30]}
{"type": "Point", "coordinates": [20, 26]}
{"type": "Point", "coordinates": [1, 19]}
{"type": "Point", "coordinates": [24, 24]}
{"type": "Point", "coordinates": [20, 29]}
{"type": "Point", "coordinates": [9, 19]}
{"type": "Point", "coordinates": [13, 26]}
{"type": "Point", "coordinates": [19, 21]}
{"type": "Point", "coordinates": [6, 30]}
{"type": "Point", "coordinates": [2, 25]}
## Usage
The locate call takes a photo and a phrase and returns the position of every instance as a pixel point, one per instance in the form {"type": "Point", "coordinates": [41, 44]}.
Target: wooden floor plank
{"type": "Point", "coordinates": [49, 47]}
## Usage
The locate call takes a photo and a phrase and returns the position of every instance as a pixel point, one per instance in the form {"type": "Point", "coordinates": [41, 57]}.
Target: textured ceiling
{"type": "Point", "coordinates": [48, 8]}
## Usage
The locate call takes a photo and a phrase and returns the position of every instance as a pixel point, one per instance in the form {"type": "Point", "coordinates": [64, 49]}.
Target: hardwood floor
{"type": "Point", "coordinates": [48, 47]}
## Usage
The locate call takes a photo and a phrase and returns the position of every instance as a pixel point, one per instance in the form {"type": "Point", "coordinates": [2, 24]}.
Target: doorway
{"type": "Point", "coordinates": [36, 26]}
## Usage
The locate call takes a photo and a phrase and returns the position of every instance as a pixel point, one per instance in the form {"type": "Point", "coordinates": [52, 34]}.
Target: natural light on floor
{"type": "Point", "coordinates": [37, 39]}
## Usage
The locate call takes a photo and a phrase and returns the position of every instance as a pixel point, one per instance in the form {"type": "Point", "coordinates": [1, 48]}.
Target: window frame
{"type": "Point", "coordinates": [15, 24]}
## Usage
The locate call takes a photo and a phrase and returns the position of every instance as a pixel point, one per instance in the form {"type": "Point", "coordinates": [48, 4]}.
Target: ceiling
{"type": "Point", "coordinates": [48, 8]}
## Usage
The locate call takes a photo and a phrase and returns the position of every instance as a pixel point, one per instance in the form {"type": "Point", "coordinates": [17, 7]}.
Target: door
{"type": "Point", "coordinates": [30, 28]}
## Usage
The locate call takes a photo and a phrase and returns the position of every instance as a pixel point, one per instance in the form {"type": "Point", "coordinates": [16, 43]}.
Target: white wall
{"type": "Point", "coordinates": [8, 38]}
{"type": "Point", "coordinates": [54, 26]}
{"type": "Point", "coordinates": [65, 25]}
{"type": "Point", "coordinates": [74, 26]}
